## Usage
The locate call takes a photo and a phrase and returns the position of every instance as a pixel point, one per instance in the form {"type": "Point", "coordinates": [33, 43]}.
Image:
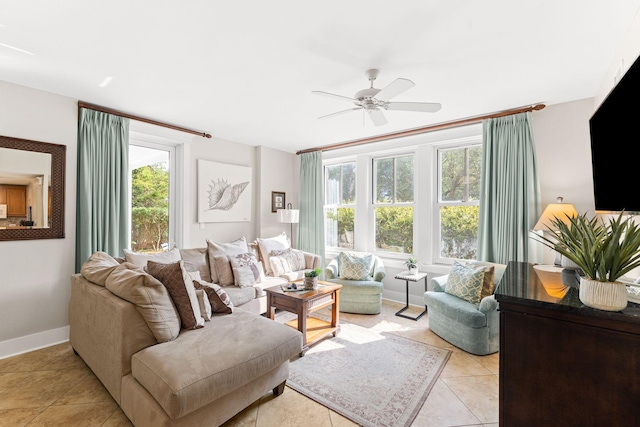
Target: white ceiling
{"type": "Point", "coordinates": [244, 70]}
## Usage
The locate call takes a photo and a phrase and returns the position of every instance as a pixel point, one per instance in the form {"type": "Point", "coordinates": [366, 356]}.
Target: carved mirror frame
{"type": "Point", "coordinates": [58, 162]}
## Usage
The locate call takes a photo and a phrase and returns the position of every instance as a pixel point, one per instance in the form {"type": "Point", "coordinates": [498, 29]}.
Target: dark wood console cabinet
{"type": "Point", "coordinates": [562, 363]}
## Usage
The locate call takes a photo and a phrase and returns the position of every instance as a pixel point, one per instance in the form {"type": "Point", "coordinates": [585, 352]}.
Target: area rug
{"type": "Point", "coordinates": [372, 378]}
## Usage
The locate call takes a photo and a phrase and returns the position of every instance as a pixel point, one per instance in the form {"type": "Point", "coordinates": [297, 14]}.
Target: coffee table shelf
{"type": "Point", "coordinates": [303, 304]}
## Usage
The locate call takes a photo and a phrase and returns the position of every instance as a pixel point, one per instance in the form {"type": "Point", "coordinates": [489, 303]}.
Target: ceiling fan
{"type": "Point", "coordinates": [373, 101]}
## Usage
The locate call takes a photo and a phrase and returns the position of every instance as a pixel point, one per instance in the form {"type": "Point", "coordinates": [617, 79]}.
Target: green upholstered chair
{"type": "Point", "coordinates": [473, 328]}
{"type": "Point", "coordinates": [359, 296]}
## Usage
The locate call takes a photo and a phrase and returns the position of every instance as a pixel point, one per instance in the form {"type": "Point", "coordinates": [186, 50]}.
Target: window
{"type": "Point", "coordinates": [340, 200]}
{"type": "Point", "coordinates": [151, 197]}
{"type": "Point", "coordinates": [393, 203]}
{"type": "Point", "coordinates": [458, 201]}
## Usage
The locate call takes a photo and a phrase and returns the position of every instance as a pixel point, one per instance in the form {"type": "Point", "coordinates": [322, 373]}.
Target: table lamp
{"type": "Point", "coordinates": [289, 216]}
{"type": "Point", "coordinates": [562, 211]}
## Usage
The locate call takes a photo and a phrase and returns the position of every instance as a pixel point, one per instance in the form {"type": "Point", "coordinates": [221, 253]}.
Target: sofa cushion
{"type": "Point", "coordinates": [140, 259]}
{"type": "Point", "coordinates": [197, 259]}
{"type": "Point", "coordinates": [456, 309]}
{"type": "Point", "coordinates": [239, 296]}
{"type": "Point", "coordinates": [204, 364]}
{"type": "Point", "coordinates": [224, 272]}
{"type": "Point", "coordinates": [217, 296]}
{"type": "Point", "coordinates": [266, 245]}
{"type": "Point", "coordinates": [238, 246]}
{"type": "Point", "coordinates": [286, 261]}
{"type": "Point", "coordinates": [150, 297]}
{"type": "Point", "coordinates": [98, 267]}
{"type": "Point", "coordinates": [181, 289]}
{"type": "Point", "coordinates": [363, 287]}
{"type": "Point", "coordinates": [355, 266]}
{"type": "Point", "coordinates": [466, 282]}
{"type": "Point", "coordinates": [247, 270]}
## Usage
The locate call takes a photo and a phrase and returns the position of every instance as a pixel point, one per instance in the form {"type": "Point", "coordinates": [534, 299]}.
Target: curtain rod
{"type": "Point", "coordinates": [424, 129]}
{"type": "Point", "coordinates": [140, 119]}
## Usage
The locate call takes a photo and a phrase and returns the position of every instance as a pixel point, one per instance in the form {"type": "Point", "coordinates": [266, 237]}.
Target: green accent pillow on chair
{"type": "Point", "coordinates": [466, 282]}
{"type": "Point", "coordinates": [355, 266]}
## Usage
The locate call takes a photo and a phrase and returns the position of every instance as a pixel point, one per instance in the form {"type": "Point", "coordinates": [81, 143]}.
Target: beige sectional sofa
{"type": "Point", "coordinates": [126, 327]}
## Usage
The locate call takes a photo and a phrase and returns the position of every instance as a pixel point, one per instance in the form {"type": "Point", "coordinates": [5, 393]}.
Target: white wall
{"type": "Point", "coordinates": [34, 283]}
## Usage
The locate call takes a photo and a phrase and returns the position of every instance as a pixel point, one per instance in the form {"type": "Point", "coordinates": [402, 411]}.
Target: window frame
{"type": "Point", "coordinates": [339, 162]}
{"type": "Point", "coordinates": [438, 203]}
{"type": "Point", "coordinates": [374, 204]}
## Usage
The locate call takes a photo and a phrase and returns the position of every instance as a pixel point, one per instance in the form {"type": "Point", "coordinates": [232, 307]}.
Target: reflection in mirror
{"type": "Point", "coordinates": [26, 177]}
{"type": "Point", "coordinates": [32, 176]}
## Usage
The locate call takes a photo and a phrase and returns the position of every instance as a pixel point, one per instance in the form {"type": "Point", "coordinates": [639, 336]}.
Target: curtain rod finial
{"type": "Point", "coordinates": [206, 135]}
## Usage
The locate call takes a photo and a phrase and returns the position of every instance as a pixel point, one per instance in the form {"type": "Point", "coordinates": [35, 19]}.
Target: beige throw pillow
{"type": "Point", "coordinates": [218, 298]}
{"type": "Point", "coordinates": [205, 304]}
{"type": "Point", "coordinates": [181, 289]}
{"type": "Point", "coordinates": [224, 270]}
{"type": "Point", "coordinates": [98, 267]}
{"type": "Point", "coordinates": [238, 246]}
{"type": "Point", "coordinates": [141, 259]}
{"type": "Point", "coordinates": [279, 242]}
{"type": "Point", "coordinates": [197, 259]}
{"type": "Point", "coordinates": [150, 297]}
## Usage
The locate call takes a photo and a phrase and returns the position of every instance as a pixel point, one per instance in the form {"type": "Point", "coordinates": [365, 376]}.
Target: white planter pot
{"type": "Point", "coordinates": [310, 283]}
{"type": "Point", "coordinates": [609, 296]}
{"type": "Point", "coordinates": [413, 271]}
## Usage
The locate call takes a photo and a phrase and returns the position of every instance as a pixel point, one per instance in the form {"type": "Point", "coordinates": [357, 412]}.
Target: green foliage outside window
{"type": "Point", "coordinates": [394, 229]}
{"type": "Point", "coordinates": [459, 228]}
{"type": "Point", "coordinates": [149, 208]}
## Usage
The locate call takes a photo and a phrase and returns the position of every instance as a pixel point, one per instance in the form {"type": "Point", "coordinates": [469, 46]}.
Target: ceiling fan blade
{"type": "Point", "coordinates": [427, 107]}
{"type": "Point", "coordinates": [339, 113]}
{"type": "Point", "coordinates": [394, 88]}
{"type": "Point", "coordinates": [377, 117]}
{"type": "Point", "coordinates": [332, 95]}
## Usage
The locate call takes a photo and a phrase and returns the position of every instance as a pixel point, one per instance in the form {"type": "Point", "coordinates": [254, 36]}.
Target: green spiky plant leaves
{"type": "Point", "coordinates": [604, 252]}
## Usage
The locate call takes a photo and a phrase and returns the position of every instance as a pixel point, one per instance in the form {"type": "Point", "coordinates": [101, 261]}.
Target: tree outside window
{"type": "Point", "coordinates": [458, 201]}
{"type": "Point", "coordinates": [393, 203]}
{"type": "Point", "coordinates": [340, 199]}
{"type": "Point", "coordinates": [149, 207]}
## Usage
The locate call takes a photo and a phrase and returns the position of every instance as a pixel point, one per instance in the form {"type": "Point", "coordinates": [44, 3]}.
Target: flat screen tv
{"type": "Point", "coordinates": [615, 137]}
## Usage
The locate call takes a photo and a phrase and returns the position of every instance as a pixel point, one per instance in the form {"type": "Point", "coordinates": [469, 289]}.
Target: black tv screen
{"type": "Point", "coordinates": [615, 137]}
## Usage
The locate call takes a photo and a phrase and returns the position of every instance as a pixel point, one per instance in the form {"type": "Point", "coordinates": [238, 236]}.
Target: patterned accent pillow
{"type": "Point", "coordinates": [279, 242]}
{"type": "Point", "coordinates": [247, 270]}
{"type": "Point", "coordinates": [488, 283]}
{"type": "Point", "coordinates": [238, 246]}
{"type": "Point", "coordinates": [294, 258]}
{"type": "Point", "coordinates": [465, 282]}
{"type": "Point", "coordinates": [175, 279]}
{"type": "Point", "coordinates": [218, 298]}
{"type": "Point", "coordinates": [354, 266]}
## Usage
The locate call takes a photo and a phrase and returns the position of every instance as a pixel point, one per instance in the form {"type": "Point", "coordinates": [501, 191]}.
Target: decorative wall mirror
{"type": "Point", "coordinates": [32, 182]}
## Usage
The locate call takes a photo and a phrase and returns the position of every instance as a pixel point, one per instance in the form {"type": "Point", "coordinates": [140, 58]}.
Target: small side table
{"type": "Point", "coordinates": [411, 278]}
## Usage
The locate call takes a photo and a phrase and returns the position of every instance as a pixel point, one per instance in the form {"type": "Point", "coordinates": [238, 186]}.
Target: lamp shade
{"type": "Point", "coordinates": [288, 216]}
{"type": "Point", "coordinates": [562, 211]}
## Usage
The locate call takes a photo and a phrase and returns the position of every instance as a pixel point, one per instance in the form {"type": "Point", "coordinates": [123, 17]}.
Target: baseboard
{"type": "Point", "coordinates": [28, 343]}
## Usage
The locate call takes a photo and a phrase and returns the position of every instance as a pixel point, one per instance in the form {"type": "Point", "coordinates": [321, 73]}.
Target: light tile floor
{"type": "Point", "coordinates": [53, 387]}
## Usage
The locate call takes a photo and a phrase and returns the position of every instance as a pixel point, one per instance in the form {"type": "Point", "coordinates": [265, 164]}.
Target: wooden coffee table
{"type": "Point", "coordinates": [304, 303]}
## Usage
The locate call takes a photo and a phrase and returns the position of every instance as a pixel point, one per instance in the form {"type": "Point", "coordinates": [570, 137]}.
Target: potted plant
{"type": "Point", "coordinates": [604, 253]}
{"type": "Point", "coordinates": [413, 264]}
{"type": "Point", "coordinates": [311, 279]}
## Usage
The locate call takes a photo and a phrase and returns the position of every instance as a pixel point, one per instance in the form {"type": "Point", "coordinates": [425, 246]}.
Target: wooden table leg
{"type": "Point", "coordinates": [335, 312]}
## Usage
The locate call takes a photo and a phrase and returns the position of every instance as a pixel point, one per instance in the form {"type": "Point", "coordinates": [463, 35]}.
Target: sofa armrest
{"type": "Point", "coordinates": [379, 271]}
{"type": "Point", "coordinates": [331, 272]}
{"type": "Point", "coordinates": [440, 283]}
{"type": "Point", "coordinates": [312, 261]}
{"type": "Point", "coordinates": [488, 304]}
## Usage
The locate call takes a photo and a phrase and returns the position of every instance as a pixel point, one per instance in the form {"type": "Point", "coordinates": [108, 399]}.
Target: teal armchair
{"type": "Point", "coordinates": [359, 296]}
{"type": "Point", "coordinates": [473, 328]}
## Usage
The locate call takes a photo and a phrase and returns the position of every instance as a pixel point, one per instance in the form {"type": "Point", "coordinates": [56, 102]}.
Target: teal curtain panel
{"type": "Point", "coordinates": [311, 201]}
{"type": "Point", "coordinates": [102, 213]}
{"type": "Point", "coordinates": [510, 189]}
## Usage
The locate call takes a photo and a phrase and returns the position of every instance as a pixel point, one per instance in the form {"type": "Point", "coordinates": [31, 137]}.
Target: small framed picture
{"type": "Point", "coordinates": [277, 201]}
